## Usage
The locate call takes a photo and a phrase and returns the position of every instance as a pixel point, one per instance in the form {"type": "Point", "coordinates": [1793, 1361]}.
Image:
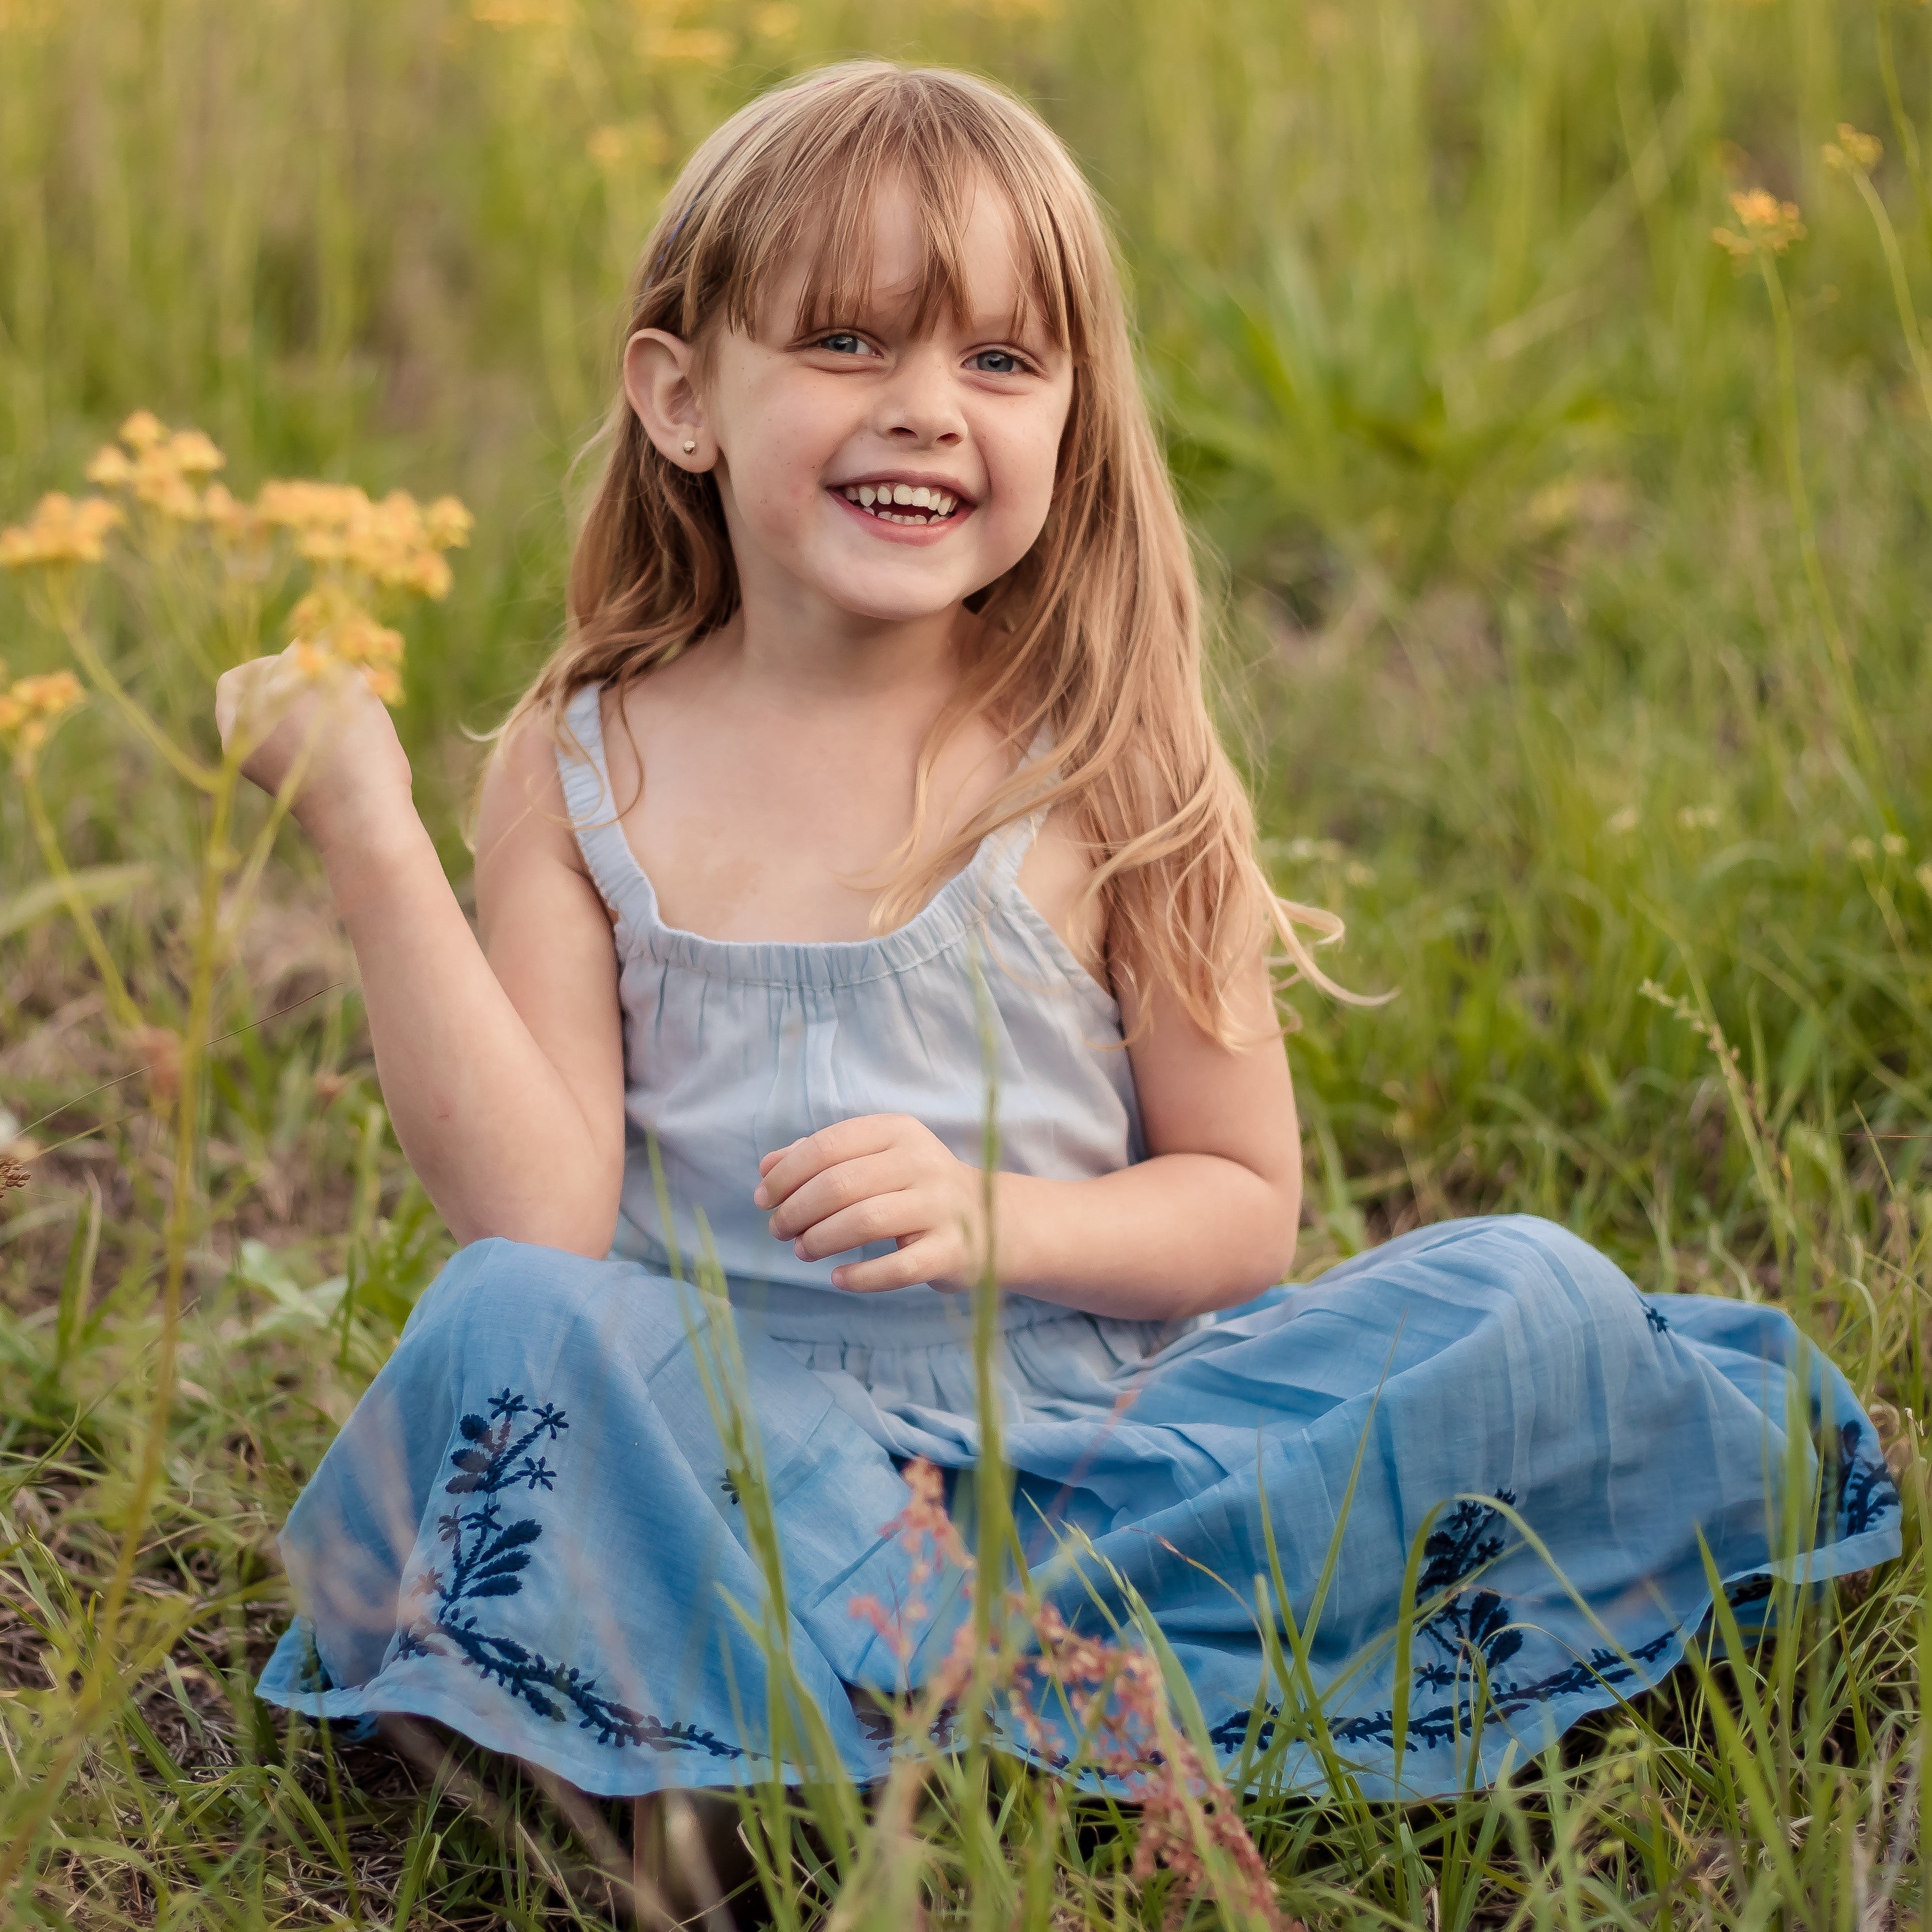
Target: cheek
{"type": "Point", "coordinates": [1023, 464]}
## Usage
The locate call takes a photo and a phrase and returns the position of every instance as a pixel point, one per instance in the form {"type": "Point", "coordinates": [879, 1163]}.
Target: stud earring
{"type": "Point", "coordinates": [690, 444]}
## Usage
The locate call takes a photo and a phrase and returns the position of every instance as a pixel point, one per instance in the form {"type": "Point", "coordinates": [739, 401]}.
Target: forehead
{"type": "Point", "coordinates": [921, 255]}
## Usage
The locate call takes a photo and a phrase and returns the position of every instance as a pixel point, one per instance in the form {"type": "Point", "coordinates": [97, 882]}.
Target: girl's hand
{"type": "Point", "coordinates": [333, 737]}
{"type": "Point", "coordinates": [882, 1176]}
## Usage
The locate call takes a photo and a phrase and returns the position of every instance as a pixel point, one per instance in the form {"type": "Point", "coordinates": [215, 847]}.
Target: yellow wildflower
{"type": "Point", "coordinates": [159, 472]}
{"type": "Point", "coordinates": [30, 709]}
{"type": "Point", "coordinates": [163, 488]}
{"type": "Point", "coordinates": [383, 681]}
{"type": "Point", "coordinates": [1853, 152]}
{"type": "Point", "coordinates": [1770, 226]}
{"type": "Point", "coordinates": [51, 694]}
{"type": "Point", "coordinates": [227, 520]}
{"type": "Point", "coordinates": [447, 524]}
{"type": "Point", "coordinates": [329, 629]}
{"type": "Point", "coordinates": [60, 531]}
{"type": "Point", "coordinates": [193, 454]}
{"type": "Point", "coordinates": [110, 468]}
{"type": "Point", "coordinates": [142, 430]}
{"type": "Point", "coordinates": [305, 505]}
{"type": "Point", "coordinates": [778, 21]}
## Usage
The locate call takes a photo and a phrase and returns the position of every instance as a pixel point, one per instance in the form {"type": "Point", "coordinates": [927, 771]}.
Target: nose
{"type": "Point", "coordinates": [919, 408]}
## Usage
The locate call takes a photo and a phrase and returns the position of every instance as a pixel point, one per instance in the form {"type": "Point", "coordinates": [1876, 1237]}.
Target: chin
{"type": "Point", "coordinates": [891, 603]}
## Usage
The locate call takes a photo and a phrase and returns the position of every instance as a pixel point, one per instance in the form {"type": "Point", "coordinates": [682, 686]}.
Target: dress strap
{"type": "Point", "coordinates": [591, 800]}
{"type": "Point", "coordinates": [1012, 842]}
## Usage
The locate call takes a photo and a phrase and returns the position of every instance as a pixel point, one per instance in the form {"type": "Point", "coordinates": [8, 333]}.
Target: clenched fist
{"type": "Point", "coordinates": [328, 738]}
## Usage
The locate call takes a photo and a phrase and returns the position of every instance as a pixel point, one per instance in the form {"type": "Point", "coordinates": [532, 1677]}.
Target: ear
{"type": "Point", "coordinates": [660, 382]}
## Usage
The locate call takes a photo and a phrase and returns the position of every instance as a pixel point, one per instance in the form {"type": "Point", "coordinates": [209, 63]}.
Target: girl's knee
{"type": "Point", "coordinates": [1557, 1279]}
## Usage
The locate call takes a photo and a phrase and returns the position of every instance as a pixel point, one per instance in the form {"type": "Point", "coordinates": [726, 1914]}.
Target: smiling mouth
{"type": "Point", "coordinates": [913, 503]}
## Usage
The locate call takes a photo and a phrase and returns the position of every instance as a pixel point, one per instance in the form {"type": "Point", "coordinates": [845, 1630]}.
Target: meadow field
{"type": "Point", "coordinates": [1549, 387]}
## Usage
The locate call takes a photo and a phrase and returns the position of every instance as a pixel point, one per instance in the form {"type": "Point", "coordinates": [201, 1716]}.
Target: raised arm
{"type": "Point", "coordinates": [501, 1062]}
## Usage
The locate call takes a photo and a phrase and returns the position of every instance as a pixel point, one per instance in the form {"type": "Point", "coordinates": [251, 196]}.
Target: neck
{"type": "Point", "coordinates": [803, 650]}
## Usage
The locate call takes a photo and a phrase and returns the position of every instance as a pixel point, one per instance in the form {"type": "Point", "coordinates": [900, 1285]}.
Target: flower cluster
{"type": "Point", "coordinates": [356, 547]}
{"type": "Point", "coordinates": [396, 543]}
{"type": "Point", "coordinates": [1116, 1697]}
{"type": "Point", "coordinates": [61, 531]}
{"type": "Point", "coordinates": [327, 627]}
{"type": "Point", "coordinates": [1853, 152]}
{"type": "Point", "coordinates": [1770, 226]}
{"type": "Point", "coordinates": [1115, 1694]}
{"type": "Point", "coordinates": [159, 468]}
{"type": "Point", "coordinates": [30, 707]}
{"type": "Point", "coordinates": [928, 1535]}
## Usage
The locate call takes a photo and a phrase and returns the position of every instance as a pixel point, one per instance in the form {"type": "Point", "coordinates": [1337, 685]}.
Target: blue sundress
{"type": "Point", "coordinates": [529, 1529]}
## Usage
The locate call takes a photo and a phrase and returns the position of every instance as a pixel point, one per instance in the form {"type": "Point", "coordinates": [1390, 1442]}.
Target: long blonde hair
{"type": "Point", "coordinates": [1095, 634]}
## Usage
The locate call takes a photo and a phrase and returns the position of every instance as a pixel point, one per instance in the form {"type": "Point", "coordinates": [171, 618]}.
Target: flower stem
{"type": "Point", "coordinates": [216, 860]}
{"type": "Point", "coordinates": [118, 997]}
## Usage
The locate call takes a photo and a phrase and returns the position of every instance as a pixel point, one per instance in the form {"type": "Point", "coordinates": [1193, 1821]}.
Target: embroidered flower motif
{"type": "Point", "coordinates": [487, 1558]}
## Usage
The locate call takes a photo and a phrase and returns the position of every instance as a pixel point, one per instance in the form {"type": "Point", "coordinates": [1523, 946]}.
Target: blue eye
{"type": "Point", "coordinates": [841, 342]}
{"type": "Point", "coordinates": [998, 362]}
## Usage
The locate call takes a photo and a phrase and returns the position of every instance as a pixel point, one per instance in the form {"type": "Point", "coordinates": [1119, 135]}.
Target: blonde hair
{"type": "Point", "coordinates": [1095, 634]}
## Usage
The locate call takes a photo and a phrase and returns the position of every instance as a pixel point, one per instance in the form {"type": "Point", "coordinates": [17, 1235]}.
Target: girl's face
{"type": "Point", "coordinates": [888, 473]}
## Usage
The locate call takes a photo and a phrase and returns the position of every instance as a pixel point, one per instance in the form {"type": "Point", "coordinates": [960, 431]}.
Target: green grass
{"type": "Point", "coordinates": [1492, 452]}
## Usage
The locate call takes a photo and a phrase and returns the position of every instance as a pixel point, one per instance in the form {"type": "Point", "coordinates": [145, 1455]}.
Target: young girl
{"type": "Point", "coordinates": [876, 763]}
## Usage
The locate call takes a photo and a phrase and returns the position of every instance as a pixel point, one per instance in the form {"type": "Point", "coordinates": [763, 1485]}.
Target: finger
{"type": "Point", "coordinates": [767, 1162]}
{"type": "Point", "coordinates": [844, 1140]}
{"type": "Point", "coordinates": [838, 1188]}
{"type": "Point", "coordinates": [916, 1263]}
{"type": "Point", "coordinates": [885, 1217]}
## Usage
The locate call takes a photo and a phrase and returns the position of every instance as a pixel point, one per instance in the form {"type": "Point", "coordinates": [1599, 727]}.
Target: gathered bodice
{"type": "Point", "coordinates": [733, 1048]}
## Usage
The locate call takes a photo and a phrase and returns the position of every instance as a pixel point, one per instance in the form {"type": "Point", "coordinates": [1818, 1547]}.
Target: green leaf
{"type": "Point", "coordinates": [94, 886]}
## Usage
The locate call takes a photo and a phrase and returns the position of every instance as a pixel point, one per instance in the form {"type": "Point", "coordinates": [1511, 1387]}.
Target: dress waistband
{"type": "Point", "coordinates": [910, 1317]}
{"type": "Point", "coordinates": [904, 1317]}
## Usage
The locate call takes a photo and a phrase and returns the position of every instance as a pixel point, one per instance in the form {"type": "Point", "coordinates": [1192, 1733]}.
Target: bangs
{"type": "Point", "coordinates": [807, 173]}
{"type": "Point", "coordinates": [839, 280]}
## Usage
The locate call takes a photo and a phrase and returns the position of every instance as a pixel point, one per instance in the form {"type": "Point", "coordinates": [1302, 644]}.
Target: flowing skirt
{"type": "Point", "coordinates": [530, 1531]}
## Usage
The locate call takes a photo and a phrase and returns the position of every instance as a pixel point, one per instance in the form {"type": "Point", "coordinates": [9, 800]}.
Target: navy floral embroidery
{"type": "Point", "coordinates": [1655, 1316]}
{"type": "Point", "coordinates": [487, 1556]}
{"type": "Point", "coordinates": [1469, 1627]}
{"type": "Point", "coordinates": [1866, 1491]}
{"type": "Point", "coordinates": [728, 1483]}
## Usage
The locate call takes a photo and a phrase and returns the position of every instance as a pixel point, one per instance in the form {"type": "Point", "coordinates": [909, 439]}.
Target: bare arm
{"type": "Point", "coordinates": [501, 1063]}
{"type": "Point", "coordinates": [1208, 1220]}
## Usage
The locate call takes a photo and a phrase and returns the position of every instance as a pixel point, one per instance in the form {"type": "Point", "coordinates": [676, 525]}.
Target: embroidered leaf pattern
{"type": "Point", "coordinates": [487, 1558]}
{"type": "Point", "coordinates": [1866, 1491]}
{"type": "Point", "coordinates": [1470, 1626]}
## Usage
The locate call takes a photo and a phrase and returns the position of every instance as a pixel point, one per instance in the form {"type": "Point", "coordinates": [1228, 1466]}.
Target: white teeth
{"type": "Point", "coordinates": [932, 503]}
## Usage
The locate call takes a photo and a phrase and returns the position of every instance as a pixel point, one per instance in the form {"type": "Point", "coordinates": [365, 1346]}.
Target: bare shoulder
{"type": "Point", "coordinates": [1055, 876]}
{"type": "Point", "coordinates": [523, 824]}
